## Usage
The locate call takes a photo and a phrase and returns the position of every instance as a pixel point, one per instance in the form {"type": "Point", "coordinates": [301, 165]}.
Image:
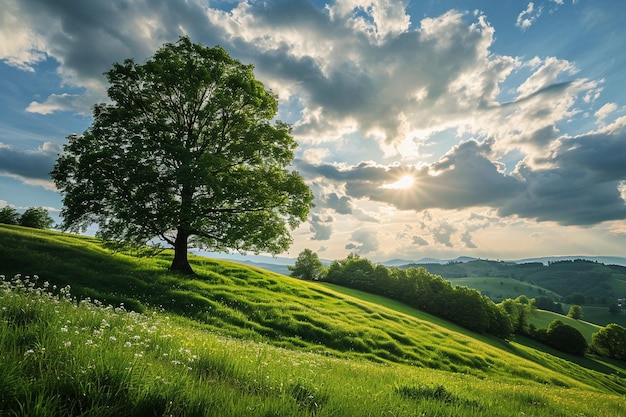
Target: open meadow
{"type": "Point", "coordinates": [84, 331]}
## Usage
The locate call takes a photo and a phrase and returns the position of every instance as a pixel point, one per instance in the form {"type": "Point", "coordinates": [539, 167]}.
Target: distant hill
{"type": "Point", "coordinates": [578, 280]}
{"type": "Point", "coordinates": [607, 260]}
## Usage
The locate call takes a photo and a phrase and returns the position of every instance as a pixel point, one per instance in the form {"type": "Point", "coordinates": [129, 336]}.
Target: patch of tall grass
{"type": "Point", "coordinates": [64, 356]}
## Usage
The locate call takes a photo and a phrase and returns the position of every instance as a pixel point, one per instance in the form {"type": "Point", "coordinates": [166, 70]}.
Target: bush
{"type": "Point", "coordinates": [610, 341]}
{"type": "Point", "coordinates": [575, 312]}
{"type": "Point", "coordinates": [565, 338]}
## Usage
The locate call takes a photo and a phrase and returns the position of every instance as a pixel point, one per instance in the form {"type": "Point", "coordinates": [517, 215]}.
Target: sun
{"type": "Point", "coordinates": [406, 181]}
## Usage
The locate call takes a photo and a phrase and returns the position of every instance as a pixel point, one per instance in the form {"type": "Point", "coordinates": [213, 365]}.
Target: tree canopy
{"type": "Point", "coordinates": [8, 215]}
{"type": "Point", "coordinates": [611, 341]}
{"type": "Point", "coordinates": [187, 152]}
{"type": "Point", "coordinates": [35, 217]}
{"type": "Point", "coordinates": [307, 266]}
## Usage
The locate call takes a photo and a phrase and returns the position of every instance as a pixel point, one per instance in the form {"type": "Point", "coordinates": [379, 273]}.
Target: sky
{"type": "Point", "coordinates": [435, 128]}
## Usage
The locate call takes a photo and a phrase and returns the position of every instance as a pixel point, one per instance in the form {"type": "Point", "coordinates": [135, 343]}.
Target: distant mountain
{"type": "Point", "coordinates": [404, 262]}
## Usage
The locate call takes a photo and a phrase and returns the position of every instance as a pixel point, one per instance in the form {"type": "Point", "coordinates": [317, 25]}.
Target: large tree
{"type": "Point", "coordinates": [186, 151]}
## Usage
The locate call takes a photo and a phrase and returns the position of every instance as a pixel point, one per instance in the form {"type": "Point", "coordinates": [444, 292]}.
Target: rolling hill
{"type": "Point", "coordinates": [392, 355]}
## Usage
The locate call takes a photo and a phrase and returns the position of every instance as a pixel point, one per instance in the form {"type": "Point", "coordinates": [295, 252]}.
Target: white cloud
{"type": "Point", "coordinates": [604, 111]}
{"type": "Point", "coordinates": [20, 45]}
{"type": "Point", "coordinates": [527, 17]}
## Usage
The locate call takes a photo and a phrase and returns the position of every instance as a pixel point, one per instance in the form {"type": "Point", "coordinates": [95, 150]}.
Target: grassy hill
{"type": "Point", "coordinates": [236, 340]}
{"type": "Point", "coordinates": [597, 282]}
{"type": "Point", "coordinates": [499, 288]}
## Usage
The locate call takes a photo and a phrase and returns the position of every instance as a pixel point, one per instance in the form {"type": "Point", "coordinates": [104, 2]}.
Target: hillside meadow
{"type": "Point", "coordinates": [102, 334]}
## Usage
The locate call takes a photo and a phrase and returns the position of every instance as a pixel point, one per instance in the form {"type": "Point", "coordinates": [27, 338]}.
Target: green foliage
{"type": "Point", "coordinates": [546, 303]}
{"type": "Point", "coordinates": [575, 312]}
{"type": "Point", "coordinates": [611, 341]}
{"type": "Point", "coordinates": [518, 313]}
{"type": "Point", "coordinates": [614, 308]}
{"type": "Point", "coordinates": [36, 217]}
{"type": "Point", "coordinates": [565, 338]}
{"type": "Point", "coordinates": [307, 266]}
{"type": "Point", "coordinates": [8, 215]}
{"type": "Point", "coordinates": [542, 319]}
{"type": "Point", "coordinates": [187, 152]}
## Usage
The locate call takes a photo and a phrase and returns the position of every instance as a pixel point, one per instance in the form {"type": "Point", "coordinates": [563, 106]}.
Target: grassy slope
{"type": "Point", "coordinates": [498, 288]}
{"type": "Point", "coordinates": [234, 300]}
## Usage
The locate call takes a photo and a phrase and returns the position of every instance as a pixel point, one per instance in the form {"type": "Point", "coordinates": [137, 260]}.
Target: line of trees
{"type": "Point", "coordinates": [35, 217]}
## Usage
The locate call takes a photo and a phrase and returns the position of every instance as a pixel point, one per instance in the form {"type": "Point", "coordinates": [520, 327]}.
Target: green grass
{"type": "Point", "coordinates": [236, 340]}
{"type": "Point", "coordinates": [498, 288]}
{"type": "Point", "coordinates": [542, 319]}
{"type": "Point", "coordinates": [602, 316]}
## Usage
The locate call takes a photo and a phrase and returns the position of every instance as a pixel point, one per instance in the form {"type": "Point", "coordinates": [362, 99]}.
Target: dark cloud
{"type": "Point", "coordinates": [420, 241]}
{"type": "Point", "coordinates": [321, 227]}
{"type": "Point", "coordinates": [443, 234]}
{"type": "Point", "coordinates": [465, 177]}
{"type": "Point", "coordinates": [363, 241]}
{"type": "Point", "coordinates": [466, 238]}
{"type": "Point", "coordinates": [341, 205]}
{"type": "Point", "coordinates": [580, 186]}
{"type": "Point", "coordinates": [28, 164]}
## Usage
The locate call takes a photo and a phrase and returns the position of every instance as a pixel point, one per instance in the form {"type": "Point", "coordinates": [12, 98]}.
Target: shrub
{"type": "Point", "coordinates": [565, 338]}
{"type": "Point", "coordinates": [610, 341]}
{"type": "Point", "coordinates": [575, 312]}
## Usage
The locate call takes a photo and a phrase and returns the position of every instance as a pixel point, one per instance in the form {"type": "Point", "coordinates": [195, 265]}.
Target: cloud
{"type": "Point", "coordinates": [527, 17]}
{"type": "Point", "coordinates": [465, 177]}
{"type": "Point", "coordinates": [581, 184]}
{"type": "Point", "coordinates": [604, 111]}
{"type": "Point", "coordinates": [354, 67]}
{"type": "Point", "coordinates": [363, 241]}
{"type": "Point", "coordinates": [29, 166]}
{"type": "Point", "coordinates": [321, 227]}
{"type": "Point", "coordinates": [577, 184]}
{"type": "Point", "coordinates": [341, 205]}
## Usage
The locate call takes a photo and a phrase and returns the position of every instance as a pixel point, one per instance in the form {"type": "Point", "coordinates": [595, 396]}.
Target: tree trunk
{"type": "Point", "coordinates": [180, 262]}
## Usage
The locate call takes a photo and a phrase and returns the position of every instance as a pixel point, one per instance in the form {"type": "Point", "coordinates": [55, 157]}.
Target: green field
{"type": "Point", "coordinates": [499, 289]}
{"type": "Point", "coordinates": [236, 341]}
{"type": "Point", "coordinates": [542, 319]}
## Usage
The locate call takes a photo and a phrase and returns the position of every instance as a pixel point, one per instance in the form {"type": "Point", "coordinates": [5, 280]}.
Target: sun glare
{"type": "Point", "coordinates": [404, 182]}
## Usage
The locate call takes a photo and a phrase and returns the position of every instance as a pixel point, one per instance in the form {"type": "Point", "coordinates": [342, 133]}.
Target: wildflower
{"type": "Point", "coordinates": [67, 343]}
{"type": "Point", "coordinates": [89, 342]}
{"type": "Point", "coordinates": [29, 352]}
{"type": "Point", "coordinates": [128, 344]}
{"type": "Point", "coordinates": [64, 329]}
{"type": "Point", "coordinates": [112, 338]}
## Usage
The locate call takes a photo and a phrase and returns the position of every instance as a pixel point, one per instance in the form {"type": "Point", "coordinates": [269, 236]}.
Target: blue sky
{"type": "Point", "coordinates": [494, 129]}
